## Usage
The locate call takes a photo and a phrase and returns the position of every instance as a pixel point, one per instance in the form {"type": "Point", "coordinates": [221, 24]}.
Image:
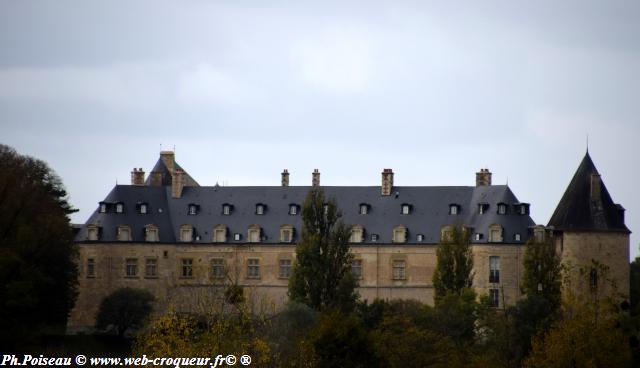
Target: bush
{"type": "Point", "coordinates": [125, 309]}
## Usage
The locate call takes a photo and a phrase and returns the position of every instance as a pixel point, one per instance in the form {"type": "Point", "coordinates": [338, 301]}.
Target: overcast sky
{"type": "Point", "coordinates": [244, 89]}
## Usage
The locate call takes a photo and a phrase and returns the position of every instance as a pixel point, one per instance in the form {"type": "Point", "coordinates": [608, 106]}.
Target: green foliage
{"type": "Point", "coordinates": [321, 277]}
{"type": "Point", "coordinates": [635, 286]}
{"type": "Point", "coordinates": [125, 309]}
{"type": "Point", "coordinates": [542, 271]}
{"type": "Point", "coordinates": [453, 272]}
{"type": "Point", "coordinates": [38, 273]}
{"type": "Point", "coordinates": [455, 315]}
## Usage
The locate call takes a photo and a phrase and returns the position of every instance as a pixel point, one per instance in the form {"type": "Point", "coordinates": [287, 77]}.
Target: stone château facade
{"type": "Point", "coordinates": [168, 234]}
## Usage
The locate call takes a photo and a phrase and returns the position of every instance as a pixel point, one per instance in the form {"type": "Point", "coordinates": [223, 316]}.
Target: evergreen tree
{"type": "Point", "coordinates": [321, 276]}
{"type": "Point", "coordinates": [124, 309]}
{"type": "Point", "coordinates": [542, 274]}
{"type": "Point", "coordinates": [454, 266]}
{"type": "Point", "coordinates": [38, 273]}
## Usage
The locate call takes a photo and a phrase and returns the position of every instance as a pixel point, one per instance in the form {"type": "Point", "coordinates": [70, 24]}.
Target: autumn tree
{"type": "Point", "coordinates": [542, 271]}
{"type": "Point", "coordinates": [38, 273]}
{"type": "Point", "coordinates": [454, 268]}
{"type": "Point", "coordinates": [321, 277]}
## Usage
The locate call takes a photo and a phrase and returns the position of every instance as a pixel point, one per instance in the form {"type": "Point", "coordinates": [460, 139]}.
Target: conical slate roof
{"type": "Point", "coordinates": [161, 168]}
{"type": "Point", "coordinates": [586, 204]}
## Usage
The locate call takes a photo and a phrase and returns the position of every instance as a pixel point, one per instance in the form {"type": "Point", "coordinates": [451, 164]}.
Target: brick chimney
{"type": "Point", "coordinates": [177, 183]}
{"type": "Point", "coordinates": [285, 178]}
{"type": "Point", "coordinates": [137, 177]}
{"type": "Point", "coordinates": [483, 177]}
{"type": "Point", "coordinates": [387, 182]}
{"type": "Point", "coordinates": [315, 178]}
{"type": "Point", "coordinates": [169, 159]}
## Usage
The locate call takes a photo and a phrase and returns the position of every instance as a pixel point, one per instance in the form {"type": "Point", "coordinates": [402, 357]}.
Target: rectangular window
{"type": "Point", "coordinates": [405, 209]}
{"type": "Point", "coordinates": [374, 237]}
{"type": "Point", "coordinates": [143, 209]}
{"type": "Point", "coordinates": [186, 234]}
{"type": "Point", "coordinates": [236, 236]}
{"type": "Point", "coordinates": [217, 268]}
{"type": "Point", "coordinates": [151, 267]}
{"type": "Point", "coordinates": [123, 233]}
{"type": "Point", "coordinates": [399, 270]}
{"type": "Point", "coordinates": [92, 233]}
{"type": "Point", "coordinates": [253, 268]}
{"type": "Point", "coordinates": [131, 267]}
{"type": "Point", "coordinates": [356, 268]}
{"type": "Point", "coordinates": [516, 237]}
{"type": "Point", "coordinates": [364, 209]}
{"type": "Point", "coordinates": [187, 267]}
{"type": "Point", "coordinates": [502, 209]}
{"type": "Point", "coordinates": [494, 270]}
{"type": "Point", "coordinates": [259, 209]}
{"type": "Point", "coordinates": [226, 209]}
{"type": "Point", "coordinates": [285, 268]}
{"type": "Point", "coordinates": [220, 235]}
{"type": "Point", "coordinates": [91, 267]}
{"type": "Point", "coordinates": [494, 298]}
{"type": "Point", "coordinates": [285, 235]}
{"type": "Point", "coordinates": [254, 236]}
{"type": "Point", "coordinates": [293, 209]}
{"type": "Point", "coordinates": [453, 210]}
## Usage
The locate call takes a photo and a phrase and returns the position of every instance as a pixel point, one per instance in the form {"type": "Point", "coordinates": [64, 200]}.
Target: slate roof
{"type": "Point", "coordinates": [161, 168]}
{"type": "Point", "coordinates": [577, 209]}
{"type": "Point", "coordinates": [430, 211]}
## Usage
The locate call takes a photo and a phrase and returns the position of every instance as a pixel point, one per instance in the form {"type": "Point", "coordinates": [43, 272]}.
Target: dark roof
{"type": "Point", "coordinates": [579, 210]}
{"type": "Point", "coordinates": [161, 168]}
{"type": "Point", "coordinates": [430, 211]}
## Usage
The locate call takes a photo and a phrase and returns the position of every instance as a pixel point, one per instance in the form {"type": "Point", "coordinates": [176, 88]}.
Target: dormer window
{"type": "Point", "coordinates": [374, 237]}
{"type": "Point", "coordinates": [151, 233]}
{"type": "Point", "coordinates": [286, 233]}
{"type": "Point", "coordinates": [364, 208]}
{"type": "Point", "coordinates": [103, 207]}
{"type": "Point", "coordinates": [357, 234]}
{"type": "Point", "coordinates": [119, 207]}
{"type": "Point", "coordinates": [502, 208]}
{"type": "Point", "coordinates": [226, 209]}
{"type": "Point", "coordinates": [193, 209]}
{"type": "Point", "coordinates": [517, 237]}
{"type": "Point", "coordinates": [237, 236]}
{"type": "Point", "coordinates": [399, 234]}
{"type": "Point", "coordinates": [186, 233]}
{"type": "Point", "coordinates": [419, 238]}
{"type": "Point", "coordinates": [405, 209]}
{"type": "Point", "coordinates": [483, 208]}
{"type": "Point", "coordinates": [143, 208]}
{"type": "Point", "coordinates": [220, 234]}
{"type": "Point", "coordinates": [293, 209]}
{"type": "Point", "coordinates": [260, 209]}
{"type": "Point", "coordinates": [93, 232]}
{"type": "Point", "coordinates": [522, 208]}
{"type": "Point", "coordinates": [478, 236]}
{"type": "Point", "coordinates": [495, 233]}
{"type": "Point", "coordinates": [124, 233]}
{"type": "Point", "coordinates": [254, 234]}
{"type": "Point", "coordinates": [454, 209]}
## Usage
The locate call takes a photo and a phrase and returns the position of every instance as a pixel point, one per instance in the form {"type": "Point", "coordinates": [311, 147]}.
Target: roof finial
{"type": "Point", "coordinates": [587, 143]}
{"type": "Point", "coordinates": [174, 148]}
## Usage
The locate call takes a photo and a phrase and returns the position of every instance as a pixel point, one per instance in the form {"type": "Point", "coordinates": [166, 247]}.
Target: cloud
{"type": "Point", "coordinates": [204, 84]}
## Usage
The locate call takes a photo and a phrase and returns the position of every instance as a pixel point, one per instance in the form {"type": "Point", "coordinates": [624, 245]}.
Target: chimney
{"type": "Point", "coordinates": [155, 179]}
{"type": "Point", "coordinates": [177, 183]}
{"type": "Point", "coordinates": [596, 188]}
{"type": "Point", "coordinates": [169, 159]}
{"type": "Point", "coordinates": [483, 178]}
{"type": "Point", "coordinates": [137, 177]}
{"type": "Point", "coordinates": [387, 182]}
{"type": "Point", "coordinates": [285, 178]}
{"type": "Point", "coordinates": [315, 178]}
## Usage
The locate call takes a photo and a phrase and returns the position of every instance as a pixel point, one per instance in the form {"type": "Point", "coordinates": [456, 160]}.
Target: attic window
{"type": "Point", "coordinates": [454, 209]}
{"type": "Point", "coordinates": [151, 233]}
{"type": "Point", "coordinates": [364, 209]}
{"type": "Point", "coordinates": [357, 232]}
{"type": "Point", "coordinates": [399, 234]}
{"type": "Point", "coordinates": [254, 234]}
{"type": "Point", "coordinates": [522, 209]}
{"type": "Point", "coordinates": [478, 236]}
{"type": "Point", "coordinates": [260, 209]}
{"type": "Point", "coordinates": [226, 209]}
{"type": "Point", "coordinates": [237, 236]}
{"type": "Point", "coordinates": [93, 232]}
{"type": "Point", "coordinates": [293, 209]}
{"type": "Point", "coordinates": [483, 208]}
{"type": "Point", "coordinates": [405, 209]}
{"type": "Point", "coordinates": [220, 233]}
{"type": "Point", "coordinates": [186, 233]}
{"type": "Point", "coordinates": [374, 237]}
{"type": "Point", "coordinates": [103, 207]}
{"type": "Point", "coordinates": [516, 237]}
{"type": "Point", "coordinates": [495, 233]}
{"type": "Point", "coordinates": [286, 233]}
{"type": "Point", "coordinates": [119, 207]}
{"type": "Point", "coordinates": [502, 209]}
{"type": "Point", "coordinates": [124, 233]}
{"type": "Point", "coordinates": [143, 208]}
{"type": "Point", "coordinates": [420, 238]}
{"type": "Point", "coordinates": [193, 209]}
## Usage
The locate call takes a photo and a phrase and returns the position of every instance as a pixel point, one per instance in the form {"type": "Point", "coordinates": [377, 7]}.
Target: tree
{"type": "Point", "coordinates": [635, 286]}
{"type": "Point", "coordinates": [542, 271]}
{"type": "Point", "coordinates": [321, 276]}
{"type": "Point", "coordinates": [454, 266]}
{"type": "Point", "coordinates": [38, 273]}
{"type": "Point", "coordinates": [124, 309]}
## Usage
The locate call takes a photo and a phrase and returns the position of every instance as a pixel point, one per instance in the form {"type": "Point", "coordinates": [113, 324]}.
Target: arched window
{"type": "Point", "coordinates": [399, 234]}
{"type": "Point", "coordinates": [151, 233]}
{"type": "Point", "coordinates": [357, 234]}
{"type": "Point", "coordinates": [220, 234]}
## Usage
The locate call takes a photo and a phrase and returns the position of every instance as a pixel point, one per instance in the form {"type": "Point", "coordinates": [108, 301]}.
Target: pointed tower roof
{"type": "Point", "coordinates": [165, 172]}
{"type": "Point", "coordinates": [586, 204]}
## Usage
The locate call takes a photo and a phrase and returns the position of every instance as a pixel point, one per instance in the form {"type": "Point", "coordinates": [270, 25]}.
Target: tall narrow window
{"type": "Point", "coordinates": [593, 279]}
{"type": "Point", "coordinates": [483, 208]}
{"type": "Point", "coordinates": [253, 268]}
{"type": "Point", "coordinates": [374, 237]}
{"type": "Point", "coordinates": [517, 237]}
{"type": "Point", "coordinates": [131, 267]}
{"type": "Point", "coordinates": [186, 233]}
{"type": "Point", "coordinates": [187, 267]}
{"type": "Point", "coordinates": [143, 208]}
{"type": "Point", "coordinates": [454, 209]}
{"type": "Point", "coordinates": [364, 209]}
{"type": "Point", "coordinates": [356, 268]}
{"type": "Point", "coordinates": [217, 268]}
{"type": "Point", "coordinates": [103, 207]}
{"type": "Point", "coordinates": [502, 209]}
{"type": "Point", "coordinates": [193, 209]}
{"type": "Point", "coordinates": [399, 270]}
{"type": "Point", "coordinates": [226, 209]}
{"type": "Point", "coordinates": [494, 269]}
{"type": "Point", "coordinates": [285, 269]}
{"type": "Point", "coordinates": [91, 267]}
{"type": "Point", "coordinates": [151, 267]}
{"type": "Point", "coordinates": [405, 209]}
{"type": "Point", "coordinates": [494, 298]}
{"type": "Point", "coordinates": [419, 238]}
{"type": "Point", "coordinates": [495, 233]}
